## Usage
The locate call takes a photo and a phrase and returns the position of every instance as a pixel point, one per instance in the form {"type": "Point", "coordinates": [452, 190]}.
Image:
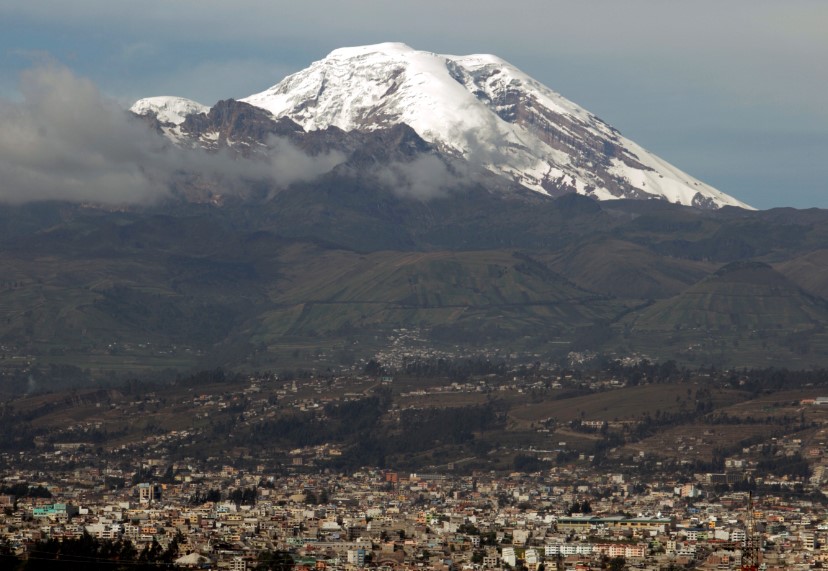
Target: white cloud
{"type": "Point", "coordinates": [66, 141]}
{"type": "Point", "coordinates": [424, 178]}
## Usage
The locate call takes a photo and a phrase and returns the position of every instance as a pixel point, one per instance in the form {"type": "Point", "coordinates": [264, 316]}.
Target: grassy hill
{"type": "Point", "coordinates": [477, 297]}
{"type": "Point", "coordinates": [625, 269]}
{"type": "Point", "coordinates": [739, 296]}
{"type": "Point", "coordinates": [745, 314]}
{"type": "Point", "coordinates": [809, 271]}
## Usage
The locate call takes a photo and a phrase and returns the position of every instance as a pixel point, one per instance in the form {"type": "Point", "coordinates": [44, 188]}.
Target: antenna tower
{"type": "Point", "coordinates": [750, 551]}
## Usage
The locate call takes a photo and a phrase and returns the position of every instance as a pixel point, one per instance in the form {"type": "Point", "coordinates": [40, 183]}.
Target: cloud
{"type": "Point", "coordinates": [424, 178]}
{"type": "Point", "coordinates": [288, 164]}
{"type": "Point", "coordinates": [66, 141]}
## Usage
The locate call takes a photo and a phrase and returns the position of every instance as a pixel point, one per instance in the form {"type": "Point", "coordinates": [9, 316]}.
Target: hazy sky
{"type": "Point", "coordinates": [731, 91]}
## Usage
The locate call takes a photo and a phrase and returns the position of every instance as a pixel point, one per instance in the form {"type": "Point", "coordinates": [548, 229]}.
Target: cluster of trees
{"type": "Point", "coordinates": [199, 497]}
{"type": "Point", "coordinates": [274, 561]}
{"type": "Point", "coordinates": [447, 425]}
{"type": "Point", "coordinates": [367, 441]}
{"type": "Point", "coordinates": [772, 379]}
{"type": "Point", "coordinates": [245, 497]}
{"type": "Point", "coordinates": [454, 369]}
{"type": "Point", "coordinates": [341, 422]}
{"type": "Point", "coordinates": [787, 420]}
{"type": "Point", "coordinates": [528, 463]}
{"type": "Point", "coordinates": [783, 465]}
{"type": "Point", "coordinates": [646, 370]}
{"type": "Point", "coordinates": [24, 490]}
{"type": "Point", "coordinates": [313, 498]}
{"type": "Point", "coordinates": [579, 508]}
{"type": "Point", "coordinates": [419, 431]}
{"type": "Point", "coordinates": [90, 554]}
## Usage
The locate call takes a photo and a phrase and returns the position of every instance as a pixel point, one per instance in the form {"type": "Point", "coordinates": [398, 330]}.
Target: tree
{"type": "Point", "coordinates": [274, 561]}
{"type": "Point", "coordinates": [8, 559]}
{"type": "Point", "coordinates": [151, 553]}
{"type": "Point", "coordinates": [617, 564]}
{"type": "Point", "coordinates": [171, 553]}
{"type": "Point", "coordinates": [373, 368]}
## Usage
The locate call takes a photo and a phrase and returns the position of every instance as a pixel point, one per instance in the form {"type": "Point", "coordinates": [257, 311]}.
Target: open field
{"type": "Point", "coordinates": [622, 404]}
{"type": "Point", "coordinates": [699, 441]}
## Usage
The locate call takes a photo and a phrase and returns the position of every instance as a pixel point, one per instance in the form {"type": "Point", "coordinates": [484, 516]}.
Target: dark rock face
{"type": "Point", "coordinates": [231, 123]}
{"type": "Point", "coordinates": [240, 122]}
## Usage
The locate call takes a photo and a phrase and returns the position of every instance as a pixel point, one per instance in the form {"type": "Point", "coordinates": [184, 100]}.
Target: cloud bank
{"type": "Point", "coordinates": [65, 140]}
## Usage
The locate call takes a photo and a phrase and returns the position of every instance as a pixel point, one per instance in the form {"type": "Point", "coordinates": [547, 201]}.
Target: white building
{"type": "Point", "coordinates": [356, 557]}
{"type": "Point", "coordinates": [508, 556]}
{"type": "Point", "coordinates": [532, 559]}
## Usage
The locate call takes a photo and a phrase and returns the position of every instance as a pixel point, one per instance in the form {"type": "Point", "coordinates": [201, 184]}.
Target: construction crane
{"type": "Point", "coordinates": [750, 550]}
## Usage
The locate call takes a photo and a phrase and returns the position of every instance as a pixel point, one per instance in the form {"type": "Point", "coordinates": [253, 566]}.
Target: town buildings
{"type": "Point", "coordinates": [378, 519]}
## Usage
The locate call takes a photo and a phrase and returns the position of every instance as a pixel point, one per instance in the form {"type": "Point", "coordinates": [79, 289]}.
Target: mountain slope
{"type": "Point", "coordinates": [746, 314]}
{"type": "Point", "coordinates": [487, 111]}
{"type": "Point", "coordinates": [333, 267]}
{"type": "Point", "coordinates": [741, 295]}
{"type": "Point", "coordinates": [625, 269]}
{"type": "Point", "coordinates": [463, 295]}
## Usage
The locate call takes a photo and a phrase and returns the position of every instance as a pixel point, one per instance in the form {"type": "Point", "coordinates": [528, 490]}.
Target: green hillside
{"type": "Point", "coordinates": [469, 298]}
{"type": "Point", "coordinates": [625, 269]}
{"type": "Point", "coordinates": [740, 296]}
{"type": "Point", "coordinates": [318, 277]}
{"type": "Point", "coordinates": [745, 314]}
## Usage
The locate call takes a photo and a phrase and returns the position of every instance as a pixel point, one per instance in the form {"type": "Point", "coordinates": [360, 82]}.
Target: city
{"type": "Point", "coordinates": [173, 471]}
{"type": "Point", "coordinates": [230, 518]}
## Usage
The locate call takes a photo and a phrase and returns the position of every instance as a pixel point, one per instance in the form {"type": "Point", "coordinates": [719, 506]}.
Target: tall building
{"type": "Point", "coordinates": [149, 493]}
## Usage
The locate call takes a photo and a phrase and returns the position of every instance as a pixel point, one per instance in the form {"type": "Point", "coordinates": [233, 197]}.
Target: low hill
{"type": "Point", "coordinates": [625, 269]}
{"type": "Point", "coordinates": [739, 296]}
{"type": "Point", "coordinates": [467, 298]}
{"type": "Point", "coordinates": [808, 271]}
{"type": "Point", "coordinates": [745, 314]}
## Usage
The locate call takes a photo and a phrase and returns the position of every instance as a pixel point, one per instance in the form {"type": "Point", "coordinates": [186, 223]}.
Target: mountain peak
{"type": "Point", "coordinates": [168, 109]}
{"type": "Point", "coordinates": [381, 48]}
{"type": "Point", "coordinates": [482, 109]}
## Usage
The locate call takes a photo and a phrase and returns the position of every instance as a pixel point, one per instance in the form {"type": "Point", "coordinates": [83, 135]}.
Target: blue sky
{"type": "Point", "coordinates": [731, 91]}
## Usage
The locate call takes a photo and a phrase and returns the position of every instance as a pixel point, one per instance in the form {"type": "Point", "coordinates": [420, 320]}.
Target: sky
{"type": "Point", "coordinates": [730, 91]}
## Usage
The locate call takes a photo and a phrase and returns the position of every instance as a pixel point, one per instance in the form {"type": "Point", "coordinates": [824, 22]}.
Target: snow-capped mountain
{"type": "Point", "coordinates": [478, 108]}
{"type": "Point", "coordinates": [168, 109]}
{"type": "Point", "coordinates": [487, 111]}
